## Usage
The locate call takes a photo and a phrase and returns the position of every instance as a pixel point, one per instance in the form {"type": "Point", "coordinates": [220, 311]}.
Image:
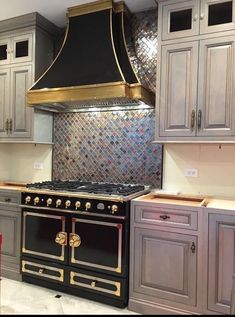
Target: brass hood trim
{"type": "Point", "coordinates": [90, 92]}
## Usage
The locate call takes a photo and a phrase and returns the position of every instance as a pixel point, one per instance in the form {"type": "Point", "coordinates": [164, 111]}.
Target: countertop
{"type": "Point", "coordinates": [20, 186]}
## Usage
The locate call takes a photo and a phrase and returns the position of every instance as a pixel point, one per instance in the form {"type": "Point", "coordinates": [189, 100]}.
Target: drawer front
{"type": "Point", "coordinates": [185, 219]}
{"type": "Point", "coordinates": [102, 284]}
{"type": "Point", "coordinates": [10, 197]}
{"type": "Point", "coordinates": [42, 271]}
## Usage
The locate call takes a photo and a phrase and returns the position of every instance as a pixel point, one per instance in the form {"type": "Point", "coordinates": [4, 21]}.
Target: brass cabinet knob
{"type": "Point", "coordinates": [67, 203]}
{"type": "Point", "coordinates": [49, 201]}
{"type": "Point", "coordinates": [58, 202]}
{"type": "Point", "coordinates": [36, 200]}
{"type": "Point", "coordinates": [74, 240]}
{"type": "Point", "coordinates": [114, 209]}
{"type": "Point", "coordinates": [88, 205]}
{"type": "Point", "coordinates": [61, 238]}
{"type": "Point", "coordinates": [27, 199]}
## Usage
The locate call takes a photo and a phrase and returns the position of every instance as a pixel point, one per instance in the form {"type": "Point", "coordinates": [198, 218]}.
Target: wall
{"type": "Point", "coordinates": [215, 164]}
{"type": "Point", "coordinates": [110, 146]}
{"type": "Point", "coordinates": [16, 162]}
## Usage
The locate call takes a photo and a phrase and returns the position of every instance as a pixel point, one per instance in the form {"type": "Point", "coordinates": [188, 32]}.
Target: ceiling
{"type": "Point", "coordinates": [55, 10]}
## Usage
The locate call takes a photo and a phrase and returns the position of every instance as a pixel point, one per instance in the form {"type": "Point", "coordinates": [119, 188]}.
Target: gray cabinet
{"type": "Point", "coordinates": [221, 255]}
{"type": "Point", "coordinates": [165, 265]}
{"type": "Point", "coordinates": [10, 227]}
{"type": "Point", "coordinates": [186, 18]}
{"type": "Point", "coordinates": [26, 50]}
{"type": "Point", "coordinates": [196, 71]}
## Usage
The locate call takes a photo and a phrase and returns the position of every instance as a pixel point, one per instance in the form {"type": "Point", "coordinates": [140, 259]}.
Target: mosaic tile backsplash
{"type": "Point", "coordinates": [113, 146]}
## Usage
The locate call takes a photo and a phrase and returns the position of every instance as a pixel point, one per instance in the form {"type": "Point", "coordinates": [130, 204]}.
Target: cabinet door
{"type": "Point", "coordinates": [165, 266]}
{"type": "Point", "coordinates": [217, 16]}
{"type": "Point", "coordinates": [178, 95]}
{"type": "Point", "coordinates": [22, 48]}
{"type": "Point", "coordinates": [4, 101]}
{"type": "Point", "coordinates": [10, 227]}
{"type": "Point", "coordinates": [221, 261]}
{"type": "Point", "coordinates": [4, 51]}
{"type": "Point", "coordinates": [21, 115]}
{"type": "Point", "coordinates": [180, 19]}
{"type": "Point", "coordinates": [216, 97]}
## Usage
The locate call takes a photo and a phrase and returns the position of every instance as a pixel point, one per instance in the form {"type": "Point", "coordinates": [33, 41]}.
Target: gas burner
{"type": "Point", "coordinates": [89, 187]}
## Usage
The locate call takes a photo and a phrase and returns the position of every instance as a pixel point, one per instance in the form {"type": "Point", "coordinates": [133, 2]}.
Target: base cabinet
{"type": "Point", "coordinates": [221, 261]}
{"type": "Point", "coordinates": [10, 228]}
{"type": "Point", "coordinates": [177, 268]}
{"type": "Point", "coordinates": [165, 265]}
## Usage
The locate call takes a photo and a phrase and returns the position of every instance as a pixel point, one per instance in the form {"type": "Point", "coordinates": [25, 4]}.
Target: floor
{"type": "Point", "coordinates": [22, 298]}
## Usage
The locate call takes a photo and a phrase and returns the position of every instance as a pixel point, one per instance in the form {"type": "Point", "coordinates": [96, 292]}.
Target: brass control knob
{"type": "Point", "coordinates": [36, 200]}
{"type": "Point", "coordinates": [27, 199]}
{"type": "Point", "coordinates": [58, 202]}
{"type": "Point", "coordinates": [77, 205]}
{"type": "Point", "coordinates": [49, 201]}
{"type": "Point", "coordinates": [67, 203]}
{"type": "Point", "coordinates": [88, 205]}
{"type": "Point", "coordinates": [114, 209]}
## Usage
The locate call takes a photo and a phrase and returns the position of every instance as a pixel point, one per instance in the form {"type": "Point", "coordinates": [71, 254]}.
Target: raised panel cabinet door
{"type": "Point", "coordinates": [216, 89]}
{"type": "Point", "coordinates": [221, 262]}
{"type": "Point", "coordinates": [4, 101]}
{"type": "Point", "coordinates": [178, 92]}
{"type": "Point", "coordinates": [180, 19]}
{"type": "Point", "coordinates": [10, 225]}
{"type": "Point", "coordinates": [165, 266]}
{"type": "Point", "coordinates": [21, 114]}
{"type": "Point", "coordinates": [217, 16]}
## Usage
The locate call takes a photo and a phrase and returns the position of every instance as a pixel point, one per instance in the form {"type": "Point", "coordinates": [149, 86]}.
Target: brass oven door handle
{"type": "Point", "coordinates": [193, 114]}
{"type": "Point", "coordinates": [61, 238]}
{"type": "Point", "coordinates": [74, 240]}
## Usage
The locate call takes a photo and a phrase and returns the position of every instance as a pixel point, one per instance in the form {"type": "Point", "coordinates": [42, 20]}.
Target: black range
{"type": "Point", "coordinates": [76, 237]}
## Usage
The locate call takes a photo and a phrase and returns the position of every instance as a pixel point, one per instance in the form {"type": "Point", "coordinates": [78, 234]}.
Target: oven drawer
{"type": "Point", "coordinates": [98, 283]}
{"type": "Point", "coordinates": [186, 219]}
{"type": "Point", "coordinates": [42, 271]}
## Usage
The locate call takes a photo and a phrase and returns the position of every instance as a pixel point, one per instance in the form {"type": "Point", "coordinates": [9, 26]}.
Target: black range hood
{"type": "Point", "coordinates": [92, 68]}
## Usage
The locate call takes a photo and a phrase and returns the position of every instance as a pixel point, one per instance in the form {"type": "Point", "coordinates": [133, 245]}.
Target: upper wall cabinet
{"type": "Point", "coordinates": [26, 49]}
{"type": "Point", "coordinates": [196, 72]}
{"type": "Point", "coordinates": [194, 17]}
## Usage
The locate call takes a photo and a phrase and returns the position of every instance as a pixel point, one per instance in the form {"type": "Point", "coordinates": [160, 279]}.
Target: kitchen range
{"type": "Point", "coordinates": [76, 237]}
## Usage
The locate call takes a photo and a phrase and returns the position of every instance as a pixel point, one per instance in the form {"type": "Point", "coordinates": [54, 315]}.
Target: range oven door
{"type": "Point", "coordinates": [44, 235]}
{"type": "Point", "coordinates": [99, 245]}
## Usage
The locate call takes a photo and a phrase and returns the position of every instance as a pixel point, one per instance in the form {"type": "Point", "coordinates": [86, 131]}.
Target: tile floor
{"type": "Point", "coordinates": [22, 298]}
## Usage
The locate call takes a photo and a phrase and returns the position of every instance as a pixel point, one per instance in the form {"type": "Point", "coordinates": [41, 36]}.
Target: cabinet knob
{"type": "Point", "coordinates": [202, 15]}
{"type": "Point", "coordinates": [195, 18]}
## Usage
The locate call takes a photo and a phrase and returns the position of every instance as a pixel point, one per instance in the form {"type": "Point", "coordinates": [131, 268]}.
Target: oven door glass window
{"type": "Point", "coordinates": [96, 244]}
{"type": "Point", "coordinates": [44, 236]}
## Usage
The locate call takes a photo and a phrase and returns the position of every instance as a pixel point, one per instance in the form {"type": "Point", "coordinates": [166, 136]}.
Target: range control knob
{"type": "Point", "coordinates": [87, 206]}
{"type": "Point", "coordinates": [77, 205]}
{"type": "Point", "coordinates": [67, 203]}
{"type": "Point", "coordinates": [36, 200]}
{"type": "Point", "coordinates": [27, 199]}
{"type": "Point", "coordinates": [114, 209]}
{"type": "Point", "coordinates": [49, 201]}
{"type": "Point", "coordinates": [58, 202]}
